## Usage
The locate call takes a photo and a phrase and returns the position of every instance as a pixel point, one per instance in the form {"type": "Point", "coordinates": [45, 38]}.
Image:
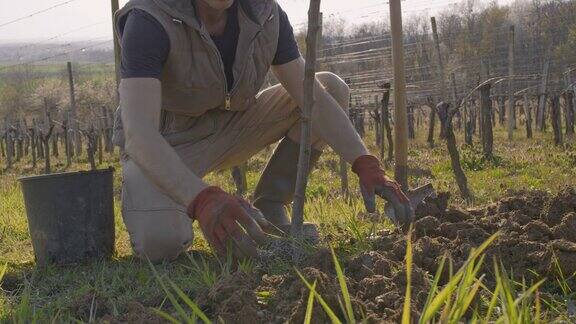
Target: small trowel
{"type": "Point", "coordinates": [416, 197]}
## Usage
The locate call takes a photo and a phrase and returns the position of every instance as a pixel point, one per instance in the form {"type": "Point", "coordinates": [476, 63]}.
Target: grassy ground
{"type": "Point", "coordinates": [89, 291]}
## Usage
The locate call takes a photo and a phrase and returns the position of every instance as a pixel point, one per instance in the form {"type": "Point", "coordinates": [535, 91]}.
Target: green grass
{"type": "Point", "coordinates": [89, 291]}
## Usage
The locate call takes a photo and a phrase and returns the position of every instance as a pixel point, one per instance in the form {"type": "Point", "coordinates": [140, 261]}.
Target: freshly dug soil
{"type": "Point", "coordinates": [536, 227]}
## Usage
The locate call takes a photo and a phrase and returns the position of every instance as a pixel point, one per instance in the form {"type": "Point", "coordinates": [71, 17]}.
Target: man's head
{"type": "Point", "coordinates": [218, 4]}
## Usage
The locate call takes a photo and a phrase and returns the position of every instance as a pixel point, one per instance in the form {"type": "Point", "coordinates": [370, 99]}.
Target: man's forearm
{"type": "Point", "coordinates": [332, 125]}
{"type": "Point", "coordinates": [140, 99]}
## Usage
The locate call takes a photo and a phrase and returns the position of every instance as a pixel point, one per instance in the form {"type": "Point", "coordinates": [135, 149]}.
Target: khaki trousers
{"type": "Point", "coordinates": [159, 228]}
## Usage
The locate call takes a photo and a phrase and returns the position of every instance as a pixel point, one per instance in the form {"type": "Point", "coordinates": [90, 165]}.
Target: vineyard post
{"type": "Point", "coordinates": [411, 131]}
{"type": "Point", "coordinates": [377, 121]}
{"type": "Point", "coordinates": [33, 142]}
{"type": "Point", "coordinates": [19, 146]}
{"type": "Point", "coordinates": [446, 114]}
{"type": "Point", "coordinates": [455, 102]}
{"type": "Point", "coordinates": [511, 103]}
{"type": "Point", "coordinates": [400, 114]}
{"type": "Point", "coordinates": [556, 120]}
{"type": "Point", "coordinates": [528, 112]}
{"type": "Point", "coordinates": [385, 115]}
{"type": "Point", "coordinates": [306, 112]}
{"type": "Point", "coordinates": [441, 74]}
{"type": "Point", "coordinates": [431, 121]}
{"type": "Point", "coordinates": [27, 141]}
{"type": "Point", "coordinates": [486, 108]}
{"type": "Point", "coordinates": [67, 145]}
{"type": "Point", "coordinates": [73, 117]}
{"type": "Point", "coordinates": [114, 7]}
{"type": "Point", "coordinates": [9, 147]}
{"type": "Point", "coordinates": [45, 136]}
{"type": "Point", "coordinates": [541, 112]}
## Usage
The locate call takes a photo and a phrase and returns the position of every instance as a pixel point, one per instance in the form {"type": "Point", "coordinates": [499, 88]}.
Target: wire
{"type": "Point", "coordinates": [36, 13]}
{"type": "Point", "coordinates": [55, 56]}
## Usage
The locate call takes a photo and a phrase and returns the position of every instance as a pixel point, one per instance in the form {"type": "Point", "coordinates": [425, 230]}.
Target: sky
{"type": "Point", "coordinates": [91, 19]}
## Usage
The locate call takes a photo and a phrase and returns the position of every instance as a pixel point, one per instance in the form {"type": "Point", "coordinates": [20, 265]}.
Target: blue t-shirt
{"type": "Point", "coordinates": [146, 45]}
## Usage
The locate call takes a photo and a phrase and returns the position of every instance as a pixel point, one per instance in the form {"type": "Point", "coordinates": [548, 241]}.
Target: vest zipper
{"type": "Point", "coordinates": [228, 101]}
{"type": "Point", "coordinates": [227, 96]}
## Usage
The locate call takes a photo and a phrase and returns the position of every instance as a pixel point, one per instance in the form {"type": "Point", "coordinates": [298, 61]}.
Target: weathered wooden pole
{"type": "Point", "coordinates": [400, 113]}
{"type": "Point", "coordinates": [411, 131]}
{"type": "Point", "coordinates": [306, 113]}
{"type": "Point", "coordinates": [432, 122]}
{"type": "Point", "coordinates": [528, 113]}
{"type": "Point", "coordinates": [487, 135]}
{"type": "Point", "coordinates": [67, 144]}
{"type": "Point", "coordinates": [9, 146]}
{"type": "Point", "coordinates": [542, 96]}
{"type": "Point", "coordinates": [556, 120]}
{"type": "Point", "coordinates": [441, 73]}
{"type": "Point", "coordinates": [569, 112]}
{"type": "Point", "coordinates": [511, 104]}
{"type": "Point", "coordinates": [455, 102]}
{"type": "Point", "coordinates": [446, 114]}
{"type": "Point", "coordinates": [33, 144]}
{"type": "Point", "coordinates": [377, 122]}
{"type": "Point", "coordinates": [73, 117]}
{"type": "Point", "coordinates": [387, 131]}
{"type": "Point", "coordinates": [114, 6]}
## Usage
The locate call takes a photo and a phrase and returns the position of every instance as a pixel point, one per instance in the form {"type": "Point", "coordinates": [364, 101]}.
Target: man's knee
{"type": "Point", "coordinates": [336, 87]}
{"type": "Point", "coordinates": [158, 247]}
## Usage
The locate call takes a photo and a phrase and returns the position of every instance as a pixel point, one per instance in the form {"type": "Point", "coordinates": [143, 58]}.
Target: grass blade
{"type": "Point", "coordinates": [192, 305]}
{"type": "Point", "coordinates": [321, 300]}
{"type": "Point", "coordinates": [310, 304]}
{"type": "Point", "coordinates": [406, 310]}
{"type": "Point", "coordinates": [166, 316]}
{"type": "Point", "coordinates": [169, 294]}
{"type": "Point", "coordinates": [344, 289]}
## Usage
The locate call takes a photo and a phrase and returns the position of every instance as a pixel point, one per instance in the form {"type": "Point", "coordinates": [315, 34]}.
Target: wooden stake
{"type": "Point", "coordinates": [528, 113]}
{"type": "Point", "coordinates": [385, 115]}
{"type": "Point", "coordinates": [443, 91]}
{"type": "Point", "coordinates": [511, 104]}
{"type": "Point", "coordinates": [400, 113]}
{"type": "Point", "coordinates": [73, 117]}
{"type": "Point", "coordinates": [486, 111]}
{"type": "Point", "coordinates": [305, 143]}
{"type": "Point", "coordinates": [556, 121]}
{"type": "Point", "coordinates": [541, 112]}
{"type": "Point", "coordinates": [114, 6]}
{"type": "Point", "coordinates": [432, 122]}
{"type": "Point", "coordinates": [446, 114]}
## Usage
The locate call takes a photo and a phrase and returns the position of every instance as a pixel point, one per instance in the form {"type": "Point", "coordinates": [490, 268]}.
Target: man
{"type": "Point", "coordinates": [190, 104]}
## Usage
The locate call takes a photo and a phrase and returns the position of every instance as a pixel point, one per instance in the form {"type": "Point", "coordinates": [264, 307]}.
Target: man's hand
{"type": "Point", "coordinates": [220, 215]}
{"type": "Point", "coordinates": [374, 182]}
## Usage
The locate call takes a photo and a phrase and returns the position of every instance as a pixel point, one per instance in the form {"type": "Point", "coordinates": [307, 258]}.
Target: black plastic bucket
{"type": "Point", "coordinates": [70, 216]}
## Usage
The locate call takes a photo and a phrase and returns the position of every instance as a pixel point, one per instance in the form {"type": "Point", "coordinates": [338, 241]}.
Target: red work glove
{"type": "Point", "coordinates": [373, 181]}
{"type": "Point", "coordinates": [220, 215]}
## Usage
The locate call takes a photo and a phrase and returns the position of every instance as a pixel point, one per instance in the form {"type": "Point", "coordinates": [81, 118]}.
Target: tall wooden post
{"type": "Point", "coordinates": [441, 74]}
{"type": "Point", "coordinates": [386, 122]}
{"type": "Point", "coordinates": [443, 91]}
{"type": "Point", "coordinates": [542, 96]}
{"type": "Point", "coordinates": [114, 7]}
{"type": "Point", "coordinates": [305, 143]}
{"type": "Point", "coordinates": [511, 113]}
{"type": "Point", "coordinates": [556, 120]}
{"type": "Point", "coordinates": [486, 110]}
{"type": "Point", "coordinates": [528, 113]}
{"type": "Point", "coordinates": [73, 117]}
{"type": "Point", "coordinates": [400, 115]}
